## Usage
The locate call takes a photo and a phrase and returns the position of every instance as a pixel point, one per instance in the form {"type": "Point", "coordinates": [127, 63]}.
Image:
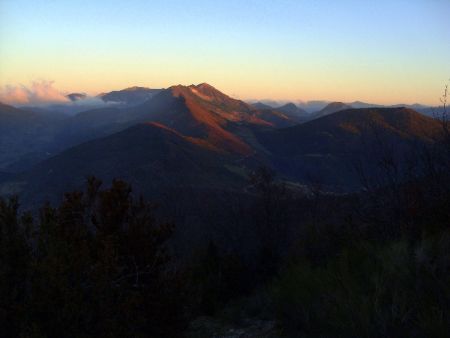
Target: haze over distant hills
{"type": "Point", "coordinates": [314, 106]}
{"type": "Point", "coordinates": [76, 102]}
{"type": "Point", "coordinates": [26, 136]}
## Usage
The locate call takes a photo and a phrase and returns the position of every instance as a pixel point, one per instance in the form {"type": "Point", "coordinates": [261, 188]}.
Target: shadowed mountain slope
{"type": "Point", "coordinates": [261, 105]}
{"type": "Point", "coordinates": [26, 136]}
{"type": "Point", "coordinates": [294, 112]}
{"type": "Point", "coordinates": [199, 111]}
{"type": "Point", "coordinates": [328, 147]}
{"type": "Point", "coordinates": [150, 156]}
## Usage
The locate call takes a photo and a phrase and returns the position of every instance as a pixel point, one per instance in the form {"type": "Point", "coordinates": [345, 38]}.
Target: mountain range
{"type": "Point", "coordinates": [198, 138]}
{"type": "Point", "coordinates": [315, 106]}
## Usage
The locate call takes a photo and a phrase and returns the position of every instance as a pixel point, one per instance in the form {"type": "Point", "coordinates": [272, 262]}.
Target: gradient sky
{"type": "Point", "coordinates": [380, 51]}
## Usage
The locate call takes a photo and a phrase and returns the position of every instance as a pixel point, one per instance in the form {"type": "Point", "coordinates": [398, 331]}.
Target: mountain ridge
{"type": "Point", "coordinates": [229, 134]}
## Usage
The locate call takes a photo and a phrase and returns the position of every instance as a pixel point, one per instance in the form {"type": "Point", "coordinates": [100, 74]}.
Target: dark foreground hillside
{"type": "Point", "coordinates": [283, 264]}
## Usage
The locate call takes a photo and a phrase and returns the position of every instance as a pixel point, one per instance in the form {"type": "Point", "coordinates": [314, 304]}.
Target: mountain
{"type": "Point", "coordinates": [421, 108]}
{"type": "Point", "coordinates": [129, 96]}
{"type": "Point", "coordinates": [291, 110]}
{"type": "Point", "coordinates": [327, 148]}
{"type": "Point", "coordinates": [261, 105]}
{"type": "Point", "coordinates": [266, 104]}
{"type": "Point", "coordinates": [196, 147]}
{"type": "Point", "coordinates": [215, 137]}
{"type": "Point", "coordinates": [434, 112]}
{"type": "Point", "coordinates": [151, 156]}
{"type": "Point", "coordinates": [207, 131]}
{"type": "Point", "coordinates": [415, 106]}
{"type": "Point", "coordinates": [25, 136]}
{"type": "Point", "coordinates": [76, 96]}
{"type": "Point", "coordinates": [199, 111]}
{"type": "Point", "coordinates": [360, 104]}
{"type": "Point", "coordinates": [331, 108]}
{"type": "Point", "coordinates": [307, 106]}
{"type": "Point", "coordinates": [312, 105]}
{"type": "Point", "coordinates": [203, 111]}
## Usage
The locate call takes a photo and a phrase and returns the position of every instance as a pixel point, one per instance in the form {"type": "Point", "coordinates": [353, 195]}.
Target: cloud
{"type": "Point", "coordinates": [39, 92]}
{"type": "Point", "coordinates": [92, 101]}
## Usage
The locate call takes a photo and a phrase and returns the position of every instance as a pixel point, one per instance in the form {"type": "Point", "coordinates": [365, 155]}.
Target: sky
{"type": "Point", "coordinates": [380, 51]}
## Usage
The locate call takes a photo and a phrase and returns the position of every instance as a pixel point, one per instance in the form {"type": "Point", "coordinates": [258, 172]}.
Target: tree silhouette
{"type": "Point", "coordinates": [97, 265]}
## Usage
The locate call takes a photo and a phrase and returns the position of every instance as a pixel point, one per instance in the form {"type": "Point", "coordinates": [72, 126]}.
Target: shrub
{"type": "Point", "coordinates": [369, 291]}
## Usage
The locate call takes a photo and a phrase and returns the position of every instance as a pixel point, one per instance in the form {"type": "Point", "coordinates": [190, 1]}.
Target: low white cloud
{"type": "Point", "coordinates": [38, 92]}
{"type": "Point", "coordinates": [91, 101]}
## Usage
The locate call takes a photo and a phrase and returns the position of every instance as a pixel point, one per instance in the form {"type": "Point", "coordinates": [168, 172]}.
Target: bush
{"type": "Point", "coordinates": [97, 265]}
{"type": "Point", "coordinates": [216, 278]}
{"type": "Point", "coordinates": [369, 291]}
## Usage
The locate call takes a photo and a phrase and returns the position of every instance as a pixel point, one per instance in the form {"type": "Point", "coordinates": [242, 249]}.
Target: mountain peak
{"type": "Point", "coordinates": [290, 106]}
{"type": "Point", "coordinates": [203, 112]}
{"type": "Point", "coordinates": [261, 105]}
{"type": "Point", "coordinates": [205, 85]}
{"type": "Point", "coordinates": [292, 110]}
{"type": "Point", "coordinates": [332, 108]}
{"type": "Point", "coordinates": [209, 91]}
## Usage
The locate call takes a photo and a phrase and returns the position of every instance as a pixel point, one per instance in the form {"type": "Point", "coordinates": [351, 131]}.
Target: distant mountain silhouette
{"type": "Point", "coordinates": [129, 96]}
{"type": "Point", "coordinates": [261, 105]}
{"type": "Point", "coordinates": [360, 104]}
{"type": "Point", "coordinates": [312, 105]}
{"type": "Point", "coordinates": [291, 110]}
{"type": "Point", "coordinates": [421, 108]}
{"type": "Point", "coordinates": [76, 96]}
{"type": "Point", "coordinates": [307, 106]}
{"type": "Point", "coordinates": [331, 108]}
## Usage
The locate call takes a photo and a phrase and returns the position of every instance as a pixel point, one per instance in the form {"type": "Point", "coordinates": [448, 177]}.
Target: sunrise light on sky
{"type": "Point", "coordinates": [379, 51]}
